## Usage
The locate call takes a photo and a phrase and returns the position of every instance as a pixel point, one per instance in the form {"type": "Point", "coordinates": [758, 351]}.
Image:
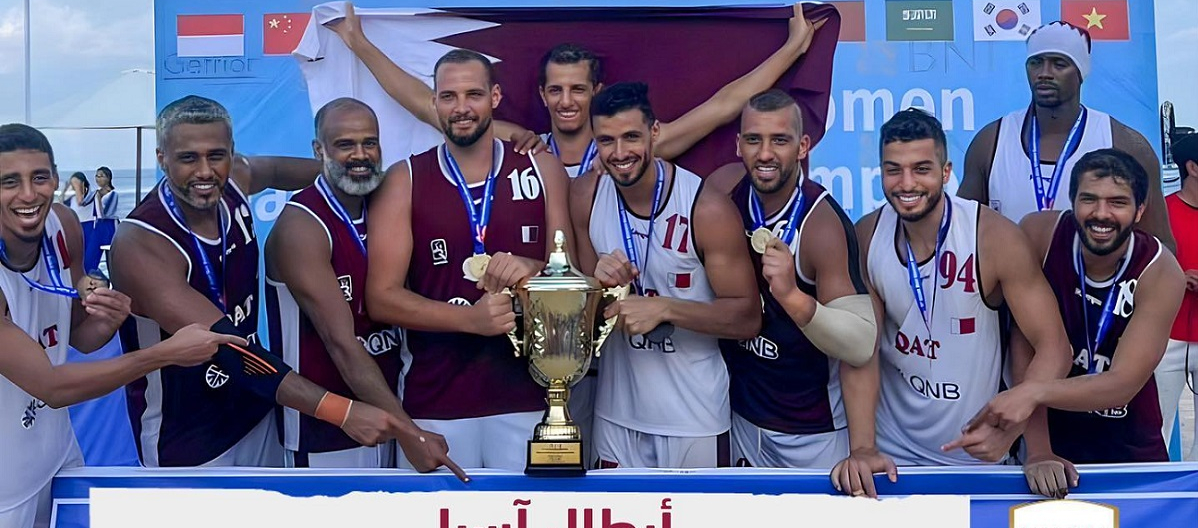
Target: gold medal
{"type": "Point", "coordinates": [761, 239]}
{"type": "Point", "coordinates": [475, 267]}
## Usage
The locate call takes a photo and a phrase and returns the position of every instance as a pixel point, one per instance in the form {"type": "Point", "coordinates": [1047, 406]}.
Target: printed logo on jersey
{"type": "Point", "coordinates": [639, 342]}
{"type": "Point", "coordinates": [215, 377]}
{"type": "Point", "coordinates": [30, 415]}
{"type": "Point", "coordinates": [915, 345]}
{"type": "Point", "coordinates": [380, 342]}
{"type": "Point", "coordinates": [526, 185]}
{"type": "Point", "coordinates": [762, 347]}
{"type": "Point", "coordinates": [347, 287]}
{"type": "Point", "coordinates": [530, 234]}
{"type": "Point", "coordinates": [244, 311]}
{"type": "Point", "coordinates": [459, 301]}
{"type": "Point", "coordinates": [439, 251]}
{"type": "Point", "coordinates": [932, 390]}
{"type": "Point", "coordinates": [1125, 302]}
{"type": "Point", "coordinates": [49, 337]}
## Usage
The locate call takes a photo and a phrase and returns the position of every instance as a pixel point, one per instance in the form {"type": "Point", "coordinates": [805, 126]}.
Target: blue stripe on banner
{"type": "Point", "coordinates": [1146, 494]}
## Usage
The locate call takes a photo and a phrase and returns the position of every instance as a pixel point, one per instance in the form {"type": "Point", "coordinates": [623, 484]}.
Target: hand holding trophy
{"type": "Point", "coordinates": [559, 337]}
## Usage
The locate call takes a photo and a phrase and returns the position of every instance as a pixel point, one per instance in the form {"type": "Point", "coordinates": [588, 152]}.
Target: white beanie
{"type": "Point", "coordinates": [1065, 39]}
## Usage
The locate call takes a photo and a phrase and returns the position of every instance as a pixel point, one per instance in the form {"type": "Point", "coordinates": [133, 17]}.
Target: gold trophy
{"type": "Point", "coordinates": [559, 336]}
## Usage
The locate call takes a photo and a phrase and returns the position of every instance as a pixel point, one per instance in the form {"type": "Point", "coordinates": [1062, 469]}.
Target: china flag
{"type": "Point", "coordinates": [281, 32]}
{"type": "Point", "coordinates": [1104, 19]}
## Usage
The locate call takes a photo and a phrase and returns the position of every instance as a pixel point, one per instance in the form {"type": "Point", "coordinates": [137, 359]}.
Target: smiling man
{"type": "Point", "coordinates": [1019, 164]}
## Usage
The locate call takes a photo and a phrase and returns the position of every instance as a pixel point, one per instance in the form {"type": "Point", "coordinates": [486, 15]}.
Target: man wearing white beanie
{"type": "Point", "coordinates": [998, 164]}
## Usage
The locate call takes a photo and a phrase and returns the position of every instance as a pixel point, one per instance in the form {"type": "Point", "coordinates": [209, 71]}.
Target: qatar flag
{"type": "Point", "coordinates": [684, 54]}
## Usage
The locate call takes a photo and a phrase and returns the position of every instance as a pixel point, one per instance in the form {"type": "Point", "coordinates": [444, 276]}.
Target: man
{"type": "Point", "coordinates": [196, 232]}
{"type": "Point", "coordinates": [787, 409]}
{"type": "Point", "coordinates": [41, 250]}
{"type": "Point", "coordinates": [1117, 291]}
{"type": "Point", "coordinates": [1181, 355]}
{"type": "Point", "coordinates": [940, 267]}
{"type": "Point", "coordinates": [464, 221]}
{"type": "Point", "coordinates": [315, 298]}
{"type": "Point", "coordinates": [1057, 130]}
{"type": "Point", "coordinates": [662, 399]}
{"type": "Point", "coordinates": [569, 78]}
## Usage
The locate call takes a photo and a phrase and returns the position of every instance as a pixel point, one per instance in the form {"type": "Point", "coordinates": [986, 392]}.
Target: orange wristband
{"type": "Point", "coordinates": [334, 408]}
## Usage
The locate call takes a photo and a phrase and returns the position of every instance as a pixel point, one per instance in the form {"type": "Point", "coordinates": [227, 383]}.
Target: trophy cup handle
{"type": "Point", "coordinates": [613, 294]}
{"type": "Point", "coordinates": [513, 335]}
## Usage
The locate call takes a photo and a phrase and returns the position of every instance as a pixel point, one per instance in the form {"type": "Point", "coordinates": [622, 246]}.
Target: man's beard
{"type": "Point", "coordinates": [484, 125]}
{"type": "Point", "coordinates": [338, 174]}
{"type": "Point", "coordinates": [785, 175]}
{"type": "Point", "coordinates": [933, 201]}
{"type": "Point", "coordinates": [183, 194]}
{"type": "Point", "coordinates": [1121, 236]}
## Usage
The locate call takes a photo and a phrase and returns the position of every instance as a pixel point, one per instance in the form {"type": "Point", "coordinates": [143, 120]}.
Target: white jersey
{"type": "Point", "coordinates": [571, 170]}
{"type": "Point", "coordinates": [933, 384]}
{"type": "Point", "coordinates": [679, 387]}
{"type": "Point", "coordinates": [1012, 192]}
{"type": "Point", "coordinates": [36, 439]}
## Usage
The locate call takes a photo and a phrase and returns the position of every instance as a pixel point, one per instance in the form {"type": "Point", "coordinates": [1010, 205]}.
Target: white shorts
{"type": "Point", "coordinates": [379, 456]}
{"type": "Point", "coordinates": [756, 447]}
{"type": "Point", "coordinates": [497, 442]}
{"type": "Point", "coordinates": [619, 446]}
{"type": "Point", "coordinates": [582, 411]}
{"type": "Point", "coordinates": [35, 512]}
{"type": "Point", "coordinates": [258, 448]}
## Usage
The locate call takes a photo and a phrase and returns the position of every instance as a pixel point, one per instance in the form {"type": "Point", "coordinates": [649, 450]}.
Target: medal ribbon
{"type": "Point", "coordinates": [216, 292]}
{"type": "Point", "coordinates": [1108, 309]}
{"type": "Point", "coordinates": [1046, 199]}
{"type": "Point", "coordinates": [588, 157]}
{"type": "Point", "coordinates": [323, 187]}
{"type": "Point", "coordinates": [52, 269]}
{"type": "Point", "coordinates": [757, 214]}
{"type": "Point", "coordinates": [478, 217]}
{"type": "Point", "coordinates": [626, 230]}
{"type": "Point", "coordinates": [913, 268]}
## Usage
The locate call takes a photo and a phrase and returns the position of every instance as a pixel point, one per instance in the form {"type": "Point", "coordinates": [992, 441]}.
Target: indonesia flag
{"type": "Point", "coordinates": [211, 35]}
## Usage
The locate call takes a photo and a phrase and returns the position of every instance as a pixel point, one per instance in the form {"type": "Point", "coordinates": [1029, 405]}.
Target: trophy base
{"type": "Point", "coordinates": [555, 458]}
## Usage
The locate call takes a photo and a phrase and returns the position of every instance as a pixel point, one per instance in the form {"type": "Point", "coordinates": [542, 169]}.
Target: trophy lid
{"type": "Point", "coordinates": [558, 274]}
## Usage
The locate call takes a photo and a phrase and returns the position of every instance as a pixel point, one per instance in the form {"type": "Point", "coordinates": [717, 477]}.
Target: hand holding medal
{"type": "Point", "coordinates": [760, 239]}
{"type": "Point", "coordinates": [778, 268]}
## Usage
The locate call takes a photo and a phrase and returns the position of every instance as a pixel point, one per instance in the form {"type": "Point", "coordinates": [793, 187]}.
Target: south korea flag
{"type": "Point", "coordinates": [1005, 19]}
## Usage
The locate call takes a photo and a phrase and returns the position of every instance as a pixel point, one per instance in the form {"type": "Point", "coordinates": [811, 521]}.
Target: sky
{"type": "Point", "coordinates": [80, 46]}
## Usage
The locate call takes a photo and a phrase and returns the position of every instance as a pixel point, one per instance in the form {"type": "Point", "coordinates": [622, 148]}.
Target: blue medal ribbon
{"type": "Point", "coordinates": [1108, 309]}
{"type": "Point", "coordinates": [216, 292]}
{"type": "Point", "coordinates": [913, 267]}
{"type": "Point", "coordinates": [588, 157]}
{"type": "Point", "coordinates": [1046, 199]}
{"type": "Point", "coordinates": [52, 269]}
{"type": "Point", "coordinates": [323, 187]}
{"type": "Point", "coordinates": [757, 214]}
{"type": "Point", "coordinates": [626, 230]}
{"type": "Point", "coordinates": [478, 217]}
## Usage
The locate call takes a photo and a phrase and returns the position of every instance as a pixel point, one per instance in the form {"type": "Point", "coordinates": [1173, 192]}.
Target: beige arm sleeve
{"type": "Point", "coordinates": [845, 329]}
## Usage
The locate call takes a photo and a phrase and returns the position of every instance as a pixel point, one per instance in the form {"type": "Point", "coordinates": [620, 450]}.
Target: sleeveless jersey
{"type": "Point", "coordinates": [36, 438]}
{"type": "Point", "coordinates": [779, 380]}
{"type": "Point", "coordinates": [303, 349]}
{"type": "Point", "coordinates": [459, 375]}
{"type": "Point", "coordinates": [571, 170]}
{"type": "Point", "coordinates": [1183, 220]}
{"type": "Point", "coordinates": [1012, 192]}
{"type": "Point", "coordinates": [1130, 433]}
{"type": "Point", "coordinates": [678, 387]}
{"type": "Point", "coordinates": [934, 381]}
{"type": "Point", "coordinates": [187, 416]}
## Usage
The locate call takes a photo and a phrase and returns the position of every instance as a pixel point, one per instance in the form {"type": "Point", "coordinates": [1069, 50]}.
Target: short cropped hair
{"type": "Point", "coordinates": [191, 110]}
{"type": "Point", "coordinates": [914, 124]}
{"type": "Point", "coordinates": [463, 56]}
{"type": "Point", "coordinates": [773, 100]}
{"type": "Point", "coordinates": [620, 97]}
{"type": "Point", "coordinates": [340, 103]}
{"type": "Point", "coordinates": [17, 136]}
{"type": "Point", "coordinates": [571, 54]}
{"type": "Point", "coordinates": [1111, 163]}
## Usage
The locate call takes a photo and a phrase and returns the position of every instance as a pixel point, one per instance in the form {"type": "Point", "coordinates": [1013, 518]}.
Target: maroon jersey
{"type": "Point", "coordinates": [457, 375]}
{"type": "Point", "coordinates": [187, 416]}
{"type": "Point", "coordinates": [292, 332]}
{"type": "Point", "coordinates": [1131, 433]}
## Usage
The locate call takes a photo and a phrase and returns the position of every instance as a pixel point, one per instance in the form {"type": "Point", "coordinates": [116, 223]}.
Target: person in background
{"type": "Point", "coordinates": [98, 233]}
{"type": "Point", "coordinates": [79, 197]}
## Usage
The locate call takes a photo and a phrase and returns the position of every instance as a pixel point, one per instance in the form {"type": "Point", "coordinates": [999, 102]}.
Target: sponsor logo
{"type": "Point", "coordinates": [380, 342]}
{"type": "Point", "coordinates": [215, 377]}
{"type": "Point", "coordinates": [347, 287]}
{"type": "Point", "coordinates": [440, 252]}
{"type": "Point", "coordinates": [244, 311]}
{"type": "Point", "coordinates": [30, 415]}
{"type": "Point", "coordinates": [762, 347]}
{"type": "Point", "coordinates": [459, 301]}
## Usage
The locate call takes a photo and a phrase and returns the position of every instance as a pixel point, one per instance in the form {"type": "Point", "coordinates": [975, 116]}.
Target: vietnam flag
{"type": "Point", "coordinates": [210, 35]}
{"type": "Point", "coordinates": [281, 32]}
{"type": "Point", "coordinates": [1103, 19]}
